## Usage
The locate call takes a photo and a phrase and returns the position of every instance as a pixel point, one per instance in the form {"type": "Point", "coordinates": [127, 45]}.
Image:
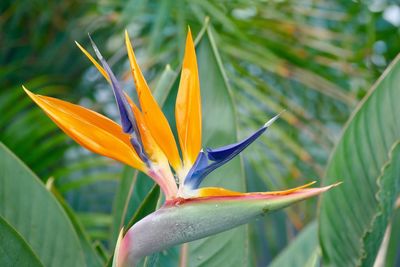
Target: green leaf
{"type": "Point", "coordinates": [194, 219]}
{"type": "Point", "coordinates": [16, 252]}
{"type": "Point", "coordinates": [91, 256]}
{"type": "Point", "coordinates": [102, 251]}
{"type": "Point", "coordinates": [303, 251]}
{"type": "Point", "coordinates": [392, 253]}
{"type": "Point", "coordinates": [36, 215]}
{"type": "Point", "coordinates": [147, 206]}
{"type": "Point", "coordinates": [356, 214]}
{"type": "Point", "coordinates": [123, 202]}
{"type": "Point", "coordinates": [388, 190]}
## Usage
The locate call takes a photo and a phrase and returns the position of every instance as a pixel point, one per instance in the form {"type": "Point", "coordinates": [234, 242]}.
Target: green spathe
{"type": "Point", "coordinates": [192, 219]}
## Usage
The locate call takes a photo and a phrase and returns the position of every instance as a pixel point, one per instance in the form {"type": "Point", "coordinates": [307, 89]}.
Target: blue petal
{"type": "Point", "coordinates": [194, 177]}
{"type": "Point", "coordinates": [220, 156]}
{"type": "Point", "coordinates": [226, 153]}
{"type": "Point", "coordinates": [138, 146]}
{"type": "Point", "coordinates": [128, 121]}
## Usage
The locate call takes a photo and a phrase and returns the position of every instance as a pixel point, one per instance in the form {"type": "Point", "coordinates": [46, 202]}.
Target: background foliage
{"type": "Point", "coordinates": [316, 59]}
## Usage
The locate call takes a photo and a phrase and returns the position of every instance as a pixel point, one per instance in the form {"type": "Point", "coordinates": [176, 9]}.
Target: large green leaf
{"type": "Point", "coordinates": [14, 251]}
{"type": "Point", "coordinates": [302, 252]}
{"type": "Point", "coordinates": [393, 249]}
{"type": "Point", "coordinates": [388, 189]}
{"type": "Point", "coordinates": [91, 256]}
{"type": "Point", "coordinates": [353, 218]}
{"type": "Point", "coordinates": [36, 215]}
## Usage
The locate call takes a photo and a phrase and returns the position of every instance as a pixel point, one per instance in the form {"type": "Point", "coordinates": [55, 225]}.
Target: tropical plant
{"type": "Point", "coordinates": [145, 142]}
{"type": "Point", "coordinates": [313, 58]}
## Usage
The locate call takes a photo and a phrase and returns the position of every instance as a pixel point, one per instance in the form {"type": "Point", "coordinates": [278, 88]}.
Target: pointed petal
{"type": "Point", "coordinates": [126, 114]}
{"type": "Point", "coordinates": [127, 119]}
{"type": "Point", "coordinates": [90, 129]}
{"type": "Point", "coordinates": [188, 106]}
{"type": "Point", "coordinates": [228, 152]}
{"type": "Point", "coordinates": [222, 192]}
{"type": "Point", "coordinates": [97, 65]}
{"type": "Point", "coordinates": [219, 156]}
{"type": "Point", "coordinates": [149, 145]}
{"type": "Point", "coordinates": [153, 116]}
{"type": "Point", "coordinates": [191, 219]}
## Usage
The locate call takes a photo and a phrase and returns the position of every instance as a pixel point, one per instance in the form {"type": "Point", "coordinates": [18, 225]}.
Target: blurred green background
{"type": "Point", "coordinates": [315, 59]}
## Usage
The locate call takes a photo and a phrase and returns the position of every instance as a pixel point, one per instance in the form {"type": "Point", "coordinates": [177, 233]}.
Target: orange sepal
{"type": "Point", "coordinates": [222, 192]}
{"type": "Point", "coordinates": [90, 129]}
{"type": "Point", "coordinates": [159, 168]}
{"type": "Point", "coordinates": [152, 113]}
{"type": "Point", "coordinates": [150, 146]}
{"type": "Point", "coordinates": [188, 106]}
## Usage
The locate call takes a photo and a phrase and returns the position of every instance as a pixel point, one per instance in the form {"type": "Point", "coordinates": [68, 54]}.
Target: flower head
{"type": "Point", "coordinates": [144, 140]}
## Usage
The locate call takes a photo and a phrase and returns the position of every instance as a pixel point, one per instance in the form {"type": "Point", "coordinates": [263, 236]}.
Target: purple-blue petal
{"type": "Point", "coordinates": [137, 145]}
{"type": "Point", "coordinates": [128, 120]}
{"type": "Point", "coordinates": [126, 114]}
{"type": "Point", "coordinates": [195, 175]}
{"type": "Point", "coordinates": [226, 153]}
{"type": "Point", "coordinates": [219, 156]}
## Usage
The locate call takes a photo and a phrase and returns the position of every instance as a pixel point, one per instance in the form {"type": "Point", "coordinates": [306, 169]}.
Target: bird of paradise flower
{"type": "Point", "coordinates": [145, 141]}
